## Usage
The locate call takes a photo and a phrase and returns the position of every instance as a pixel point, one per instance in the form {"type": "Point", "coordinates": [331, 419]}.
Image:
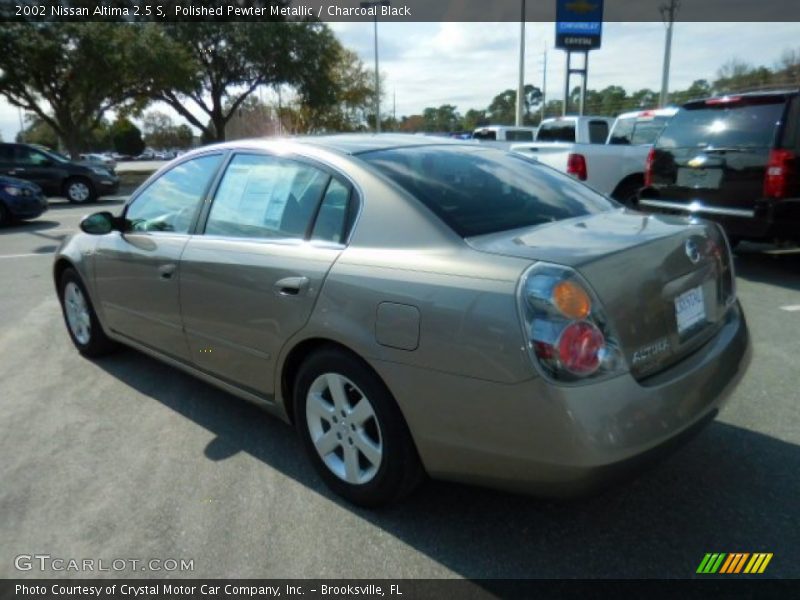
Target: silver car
{"type": "Point", "coordinates": [418, 306]}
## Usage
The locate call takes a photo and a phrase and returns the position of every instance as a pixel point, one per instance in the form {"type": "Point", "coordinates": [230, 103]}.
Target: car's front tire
{"type": "Point", "coordinates": [80, 317]}
{"type": "Point", "coordinates": [79, 190]}
{"type": "Point", "coordinates": [353, 430]}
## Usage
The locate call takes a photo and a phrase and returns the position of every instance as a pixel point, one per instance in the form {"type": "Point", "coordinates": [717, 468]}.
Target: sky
{"type": "Point", "coordinates": [467, 64]}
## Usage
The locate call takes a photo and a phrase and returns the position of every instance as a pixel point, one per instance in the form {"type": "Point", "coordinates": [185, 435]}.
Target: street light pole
{"type": "Point", "coordinates": [375, 4]}
{"type": "Point", "coordinates": [521, 82]}
{"type": "Point", "coordinates": [668, 12]}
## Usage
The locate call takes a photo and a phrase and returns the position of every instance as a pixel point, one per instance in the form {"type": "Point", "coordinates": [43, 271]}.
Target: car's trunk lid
{"type": "Point", "coordinates": [663, 285]}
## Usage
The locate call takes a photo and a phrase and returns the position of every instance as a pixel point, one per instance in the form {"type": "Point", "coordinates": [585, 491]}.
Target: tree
{"type": "Point", "coordinates": [474, 119]}
{"type": "Point", "coordinates": [736, 75]}
{"type": "Point", "coordinates": [227, 62]}
{"type": "Point", "coordinates": [700, 88]}
{"type": "Point", "coordinates": [58, 79]}
{"type": "Point", "coordinates": [348, 103]}
{"type": "Point", "coordinates": [503, 108]}
{"type": "Point", "coordinates": [161, 132]}
{"type": "Point", "coordinates": [38, 132]}
{"type": "Point", "coordinates": [126, 137]}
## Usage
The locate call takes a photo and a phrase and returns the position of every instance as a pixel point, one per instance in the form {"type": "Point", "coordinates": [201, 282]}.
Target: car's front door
{"type": "Point", "coordinates": [250, 280]}
{"type": "Point", "coordinates": [137, 272]}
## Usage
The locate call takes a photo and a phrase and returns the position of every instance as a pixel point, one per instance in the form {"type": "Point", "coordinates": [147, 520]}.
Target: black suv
{"type": "Point", "coordinates": [56, 175]}
{"type": "Point", "coordinates": [732, 159]}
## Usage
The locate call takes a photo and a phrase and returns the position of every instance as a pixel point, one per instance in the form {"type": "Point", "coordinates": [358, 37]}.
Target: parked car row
{"type": "Point", "coordinates": [52, 175]}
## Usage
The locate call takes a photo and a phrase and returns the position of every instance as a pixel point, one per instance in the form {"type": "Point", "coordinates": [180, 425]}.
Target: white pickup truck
{"type": "Point", "coordinates": [611, 163]}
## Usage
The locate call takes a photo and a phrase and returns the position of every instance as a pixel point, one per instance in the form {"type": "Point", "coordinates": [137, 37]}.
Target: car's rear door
{"type": "Point", "coordinates": [716, 151]}
{"type": "Point", "coordinates": [136, 272]}
{"type": "Point", "coordinates": [250, 280]}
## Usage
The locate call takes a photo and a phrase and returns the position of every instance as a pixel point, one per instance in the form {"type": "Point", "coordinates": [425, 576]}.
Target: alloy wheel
{"type": "Point", "coordinates": [344, 429]}
{"type": "Point", "coordinates": [77, 310]}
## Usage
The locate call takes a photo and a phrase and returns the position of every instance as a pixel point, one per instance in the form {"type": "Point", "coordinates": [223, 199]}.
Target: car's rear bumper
{"type": "Point", "coordinates": [560, 440]}
{"type": "Point", "coordinates": [766, 220]}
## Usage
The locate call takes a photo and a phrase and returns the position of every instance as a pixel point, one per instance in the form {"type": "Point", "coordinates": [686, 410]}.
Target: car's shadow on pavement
{"type": "Point", "coordinates": [761, 263]}
{"type": "Point", "coordinates": [728, 490]}
{"type": "Point", "coordinates": [29, 226]}
{"type": "Point", "coordinates": [89, 207]}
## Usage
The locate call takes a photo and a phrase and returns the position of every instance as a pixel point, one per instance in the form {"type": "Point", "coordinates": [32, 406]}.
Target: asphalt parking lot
{"type": "Point", "coordinates": [129, 458]}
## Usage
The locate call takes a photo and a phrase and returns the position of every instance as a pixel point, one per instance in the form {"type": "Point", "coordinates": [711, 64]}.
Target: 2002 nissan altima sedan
{"type": "Point", "coordinates": [418, 306]}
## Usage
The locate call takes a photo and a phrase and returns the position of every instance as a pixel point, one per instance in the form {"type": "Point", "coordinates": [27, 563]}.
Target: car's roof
{"type": "Point", "coordinates": [748, 95]}
{"type": "Point", "coordinates": [357, 143]}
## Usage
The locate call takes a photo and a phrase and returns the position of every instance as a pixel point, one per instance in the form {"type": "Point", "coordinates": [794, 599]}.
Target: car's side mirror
{"type": "Point", "coordinates": [100, 223]}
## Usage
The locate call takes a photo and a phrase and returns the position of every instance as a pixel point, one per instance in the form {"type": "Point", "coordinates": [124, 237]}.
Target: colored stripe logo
{"type": "Point", "coordinates": [733, 563]}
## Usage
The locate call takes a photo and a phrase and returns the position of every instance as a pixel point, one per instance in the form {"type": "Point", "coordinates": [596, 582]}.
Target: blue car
{"type": "Point", "coordinates": [20, 199]}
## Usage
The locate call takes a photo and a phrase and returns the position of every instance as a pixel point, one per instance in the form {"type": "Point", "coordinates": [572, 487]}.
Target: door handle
{"type": "Point", "coordinates": [166, 271]}
{"type": "Point", "coordinates": [291, 286]}
{"type": "Point", "coordinates": [15, 171]}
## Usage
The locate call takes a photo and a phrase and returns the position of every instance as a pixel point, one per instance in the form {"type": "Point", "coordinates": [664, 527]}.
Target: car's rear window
{"type": "Point", "coordinates": [556, 131]}
{"type": "Point", "coordinates": [725, 125]}
{"type": "Point", "coordinates": [483, 190]}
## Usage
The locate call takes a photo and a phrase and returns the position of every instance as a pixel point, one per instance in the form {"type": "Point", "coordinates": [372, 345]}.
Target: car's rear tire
{"type": "Point", "coordinates": [79, 190]}
{"type": "Point", "coordinates": [80, 317]}
{"type": "Point", "coordinates": [627, 192]}
{"type": "Point", "coordinates": [353, 430]}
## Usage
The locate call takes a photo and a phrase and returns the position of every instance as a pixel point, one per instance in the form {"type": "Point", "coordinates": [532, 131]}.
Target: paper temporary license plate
{"type": "Point", "coordinates": [690, 309]}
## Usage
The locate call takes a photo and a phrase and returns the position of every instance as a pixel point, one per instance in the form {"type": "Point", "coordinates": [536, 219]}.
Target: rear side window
{"type": "Point", "coordinates": [556, 131]}
{"type": "Point", "coordinates": [736, 125]}
{"type": "Point", "coordinates": [333, 216]}
{"type": "Point", "coordinates": [519, 135]}
{"type": "Point", "coordinates": [478, 190]}
{"type": "Point", "coordinates": [598, 132]}
{"type": "Point", "coordinates": [266, 197]}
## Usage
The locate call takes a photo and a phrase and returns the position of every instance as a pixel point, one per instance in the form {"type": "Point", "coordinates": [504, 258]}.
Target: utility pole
{"type": "Point", "coordinates": [375, 4]}
{"type": "Point", "coordinates": [21, 125]}
{"type": "Point", "coordinates": [521, 82]}
{"type": "Point", "coordinates": [668, 12]}
{"type": "Point", "coordinates": [544, 84]}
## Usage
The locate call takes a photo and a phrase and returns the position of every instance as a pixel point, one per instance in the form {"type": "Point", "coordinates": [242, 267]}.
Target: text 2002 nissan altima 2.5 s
{"type": "Point", "coordinates": [418, 306]}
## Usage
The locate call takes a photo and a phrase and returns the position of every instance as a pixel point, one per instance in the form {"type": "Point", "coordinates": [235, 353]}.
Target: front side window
{"type": "Point", "coordinates": [29, 156]}
{"type": "Point", "coordinates": [478, 190]}
{"type": "Point", "coordinates": [266, 197]}
{"type": "Point", "coordinates": [622, 132]}
{"type": "Point", "coordinates": [648, 129]}
{"type": "Point", "coordinates": [171, 201]}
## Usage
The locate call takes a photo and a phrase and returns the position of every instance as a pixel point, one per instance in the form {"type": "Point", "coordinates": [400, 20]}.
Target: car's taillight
{"type": "Point", "coordinates": [648, 167]}
{"type": "Point", "coordinates": [576, 166]}
{"type": "Point", "coordinates": [780, 170]}
{"type": "Point", "coordinates": [567, 333]}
